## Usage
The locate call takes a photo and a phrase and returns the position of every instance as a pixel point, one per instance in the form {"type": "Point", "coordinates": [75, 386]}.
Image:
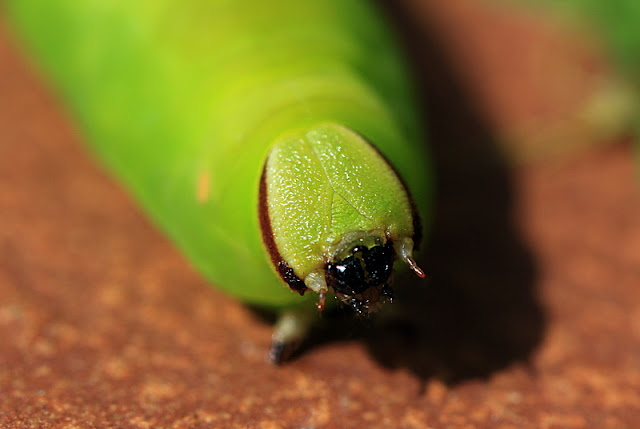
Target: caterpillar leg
{"type": "Point", "coordinates": [290, 330]}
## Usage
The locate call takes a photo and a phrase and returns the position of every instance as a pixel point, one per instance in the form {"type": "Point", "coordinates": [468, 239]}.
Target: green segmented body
{"type": "Point", "coordinates": [184, 99]}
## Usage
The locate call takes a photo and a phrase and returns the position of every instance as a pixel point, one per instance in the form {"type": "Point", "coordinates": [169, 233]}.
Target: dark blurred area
{"type": "Point", "coordinates": [478, 311]}
{"type": "Point", "coordinates": [500, 85]}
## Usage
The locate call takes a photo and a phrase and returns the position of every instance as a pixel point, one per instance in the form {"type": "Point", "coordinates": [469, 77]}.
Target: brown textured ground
{"type": "Point", "coordinates": [531, 317]}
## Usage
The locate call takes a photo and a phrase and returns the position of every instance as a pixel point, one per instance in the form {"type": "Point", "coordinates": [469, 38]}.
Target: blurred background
{"type": "Point", "coordinates": [530, 316]}
{"type": "Point", "coordinates": [550, 77]}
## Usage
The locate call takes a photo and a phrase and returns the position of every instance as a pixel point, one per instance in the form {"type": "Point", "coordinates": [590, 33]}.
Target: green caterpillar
{"type": "Point", "coordinates": [263, 136]}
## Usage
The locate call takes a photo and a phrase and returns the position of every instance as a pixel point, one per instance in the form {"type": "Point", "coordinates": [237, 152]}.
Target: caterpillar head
{"type": "Point", "coordinates": [335, 216]}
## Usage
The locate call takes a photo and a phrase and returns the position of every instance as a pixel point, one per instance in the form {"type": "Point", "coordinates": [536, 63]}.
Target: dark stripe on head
{"type": "Point", "coordinates": [284, 270]}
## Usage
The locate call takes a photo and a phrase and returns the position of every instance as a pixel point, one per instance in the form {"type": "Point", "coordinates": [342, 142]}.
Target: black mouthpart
{"type": "Point", "coordinates": [363, 269]}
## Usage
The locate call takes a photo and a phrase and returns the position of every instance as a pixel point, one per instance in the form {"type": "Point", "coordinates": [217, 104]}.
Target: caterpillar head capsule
{"type": "Point", "coordinates": [335, 217]}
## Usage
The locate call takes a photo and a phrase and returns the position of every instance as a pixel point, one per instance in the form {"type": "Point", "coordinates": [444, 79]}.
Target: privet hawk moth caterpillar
{"type": "Point", "coordinates": [267, 138]}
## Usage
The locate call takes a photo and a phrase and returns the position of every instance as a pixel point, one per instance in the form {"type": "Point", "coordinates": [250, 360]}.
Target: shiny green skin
{"type": "Point", "coordinates": [183, 99]}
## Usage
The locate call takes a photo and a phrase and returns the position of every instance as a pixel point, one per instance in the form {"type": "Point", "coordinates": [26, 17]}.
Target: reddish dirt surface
{"type": "Point", "coordinates": [530, 319]}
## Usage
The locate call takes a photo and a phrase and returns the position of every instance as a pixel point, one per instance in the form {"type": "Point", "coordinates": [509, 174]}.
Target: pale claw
{"type": "Point", "coordinates": [316, 282]}
{"type": "Point", "coordinates": [404, 248]}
